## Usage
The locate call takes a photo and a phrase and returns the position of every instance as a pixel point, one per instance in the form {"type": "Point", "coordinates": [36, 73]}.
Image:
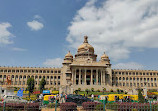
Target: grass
{"type": "Point", "coordinates": [97, 93]}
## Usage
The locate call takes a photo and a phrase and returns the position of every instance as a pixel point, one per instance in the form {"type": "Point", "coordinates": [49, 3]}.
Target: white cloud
{"type": "Point", "coordinates": [35, 25]}
{"type": "Point", "coordinates": [57, 62]}
{"type": "Point", "coordinates": [18, 49]}
{"type": "Point", "coordinates": [116, 26]}
{"type": "Point", "coordinates": [5, 35]}
{"type": "Point", "coordinates": [37, 17]}
{"type": "Point", "coordinates": [129, 65]}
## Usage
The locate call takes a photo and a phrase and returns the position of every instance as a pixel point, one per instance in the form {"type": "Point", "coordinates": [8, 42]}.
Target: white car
{"type": "Point", "coordinates": [13, 99]}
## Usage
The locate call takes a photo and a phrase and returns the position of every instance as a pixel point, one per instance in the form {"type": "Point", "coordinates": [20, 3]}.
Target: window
{"type": "Point", "coordinates": [126, 73]}
{"type": "Point", "coordinates": [0, 76]}
{"type": "Point", "coordinates": [44, 71]}
{"type": "Point", "coordinates": [33, 71]}
{"type": "Point", "coordinates": [58, 77]}
{"type": "Point", "coordinates": [133, 73]}
{"type": "Point", "coordinates": [130, 84]}
{"type": "Point", "coordinates": [51, 77]}
{"type": "Point", "coordinates": [24, 77]}
{"type": "Point", "coordinates": [54, 77]}
{"type": "Point", "coordinates": [51, 71]}
{"type": "Point", "coordinates": [29, 71]}
{"type": "Point", "coordinates": [25, 71]}
{"type": "Point", "coordinates": [9, 97]}
{"type": "Point", "coordinates": [47, 71]}
{"type": "Point", "coordinates": [59, 71]}
{"type": "Point", "coordinates": [36, 71]}
{"type": "Point", "coordinates": [47, 77]}
{"type": "Point", "coordinates": [21, 70]}
{"type": "Point", "coordinates": [119, 72]}
{"type": "Point", "coordinates": [4, 76]}
{"type": "Point", "coordinates": [55, 71]}
{"type": "Point", "coordinates": [58, 83]}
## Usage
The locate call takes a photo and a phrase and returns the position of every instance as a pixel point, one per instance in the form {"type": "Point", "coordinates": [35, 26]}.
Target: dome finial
{"type": "Point", "coordinates": [85, 39]}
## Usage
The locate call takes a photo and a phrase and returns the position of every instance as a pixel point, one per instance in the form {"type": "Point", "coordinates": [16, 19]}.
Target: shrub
{"type": "Point", "coordinates": [99, 107]}
{"type": "Point", "coordinates": [118, 90]}
{"type": "Point", "coordinates": [79, 89]}
{"type": "Point", "coordinates": [20, 106]}
{"type": "Point", "coordinates": [98, 90]}
{"type": "Point", "coordinates": [92, 89]}
{"type": "Point", "coordinates": [68, 106]}
{"type": "Point", "coordinates": [112, 106]}
{"type": "Point", "coordinates": [52, 105]}
{"type": "Point", "coordinates": [89, 105]}
{"type": "Point", "coordinates": [104, 89]}
{"type": "Point", "coordinates": [87, 90]}
{"type": "Point", "coordinates": [111, 90]}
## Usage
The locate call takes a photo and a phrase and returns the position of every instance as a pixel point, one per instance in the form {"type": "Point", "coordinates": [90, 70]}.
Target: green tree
{"type": "Point", "coordinates": [118, 91]}
{"type": "Point", "coordinates": [42, 84]}
{"type": "Point", "coordinates": [30, 85]}
{"type": "Point", "coordinates": [79, 89]}
{"type": "Point", "coordinates": [104, 89]}
{"type": "Point", "coordinates": [140, 96]}
{"type": "Point", "coordinates": [92, 89]}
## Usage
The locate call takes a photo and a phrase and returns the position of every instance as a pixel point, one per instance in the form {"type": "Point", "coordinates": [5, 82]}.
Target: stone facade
{"type": "Point", "coordinates": [82, 71]}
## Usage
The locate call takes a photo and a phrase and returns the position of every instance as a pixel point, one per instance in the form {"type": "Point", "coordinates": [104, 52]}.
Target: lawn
{"type": "Point", "coordinates": [97, 93]}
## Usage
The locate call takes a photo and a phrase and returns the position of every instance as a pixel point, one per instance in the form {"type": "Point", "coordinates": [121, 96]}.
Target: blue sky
{"type": "Point", "coordinates": [38, 33]}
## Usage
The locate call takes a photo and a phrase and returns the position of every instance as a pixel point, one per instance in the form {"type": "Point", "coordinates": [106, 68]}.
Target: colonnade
{"type": "Point", "coordinates": [88, 76]}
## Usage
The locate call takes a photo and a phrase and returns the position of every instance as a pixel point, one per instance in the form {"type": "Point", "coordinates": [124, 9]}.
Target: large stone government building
{"type": "Point", "coordinates": [81, 71]}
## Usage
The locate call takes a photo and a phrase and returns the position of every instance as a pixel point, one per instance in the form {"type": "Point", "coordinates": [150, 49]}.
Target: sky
{"type": "Point", "coordinates": [38, 33]}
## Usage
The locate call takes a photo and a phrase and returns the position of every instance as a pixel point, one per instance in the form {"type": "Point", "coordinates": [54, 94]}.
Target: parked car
{"type": "Point", "coordinates": [13, 99]}
{"type": "Point", "coordinates": [79, 99]}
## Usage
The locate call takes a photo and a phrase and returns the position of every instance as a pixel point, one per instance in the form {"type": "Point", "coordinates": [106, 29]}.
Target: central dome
{"type": "Point", "coordinates": [85, 47]}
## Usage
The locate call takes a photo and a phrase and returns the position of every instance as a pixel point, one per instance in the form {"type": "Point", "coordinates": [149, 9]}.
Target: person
{"type": "Point", "coordinates": [92, 97]}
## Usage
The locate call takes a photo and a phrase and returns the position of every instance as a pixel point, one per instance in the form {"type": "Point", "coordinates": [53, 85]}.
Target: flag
{"type": "Point", "coordinates": [87, 50]}
{"type": "Point", "coordinates": [20, 92]}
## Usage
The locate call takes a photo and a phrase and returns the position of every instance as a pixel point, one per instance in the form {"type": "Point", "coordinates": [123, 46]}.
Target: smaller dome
{"type": "Point", "coordinates": [68, 55]}
{"type": "Point", "coordinates": [104, 56]}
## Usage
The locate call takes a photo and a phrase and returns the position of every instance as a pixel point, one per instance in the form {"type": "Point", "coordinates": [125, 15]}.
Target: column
{"type": "Point", "coordinates": [104, 77]}
{"type": "Point", "coordinates": [85, 73]}
{"type": "Point", "coordinates": [72, 77]}
{"type": "Point", "coordinates": [91, 77]}
{"type": "Point", "coordinates": [101, 77]}
{"type": "Point", "coordinates": [97, 77]}
{"type": "Point", "coordinates": [75, 78]}
{"type": "Point", "coordinates": [79, 76]}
